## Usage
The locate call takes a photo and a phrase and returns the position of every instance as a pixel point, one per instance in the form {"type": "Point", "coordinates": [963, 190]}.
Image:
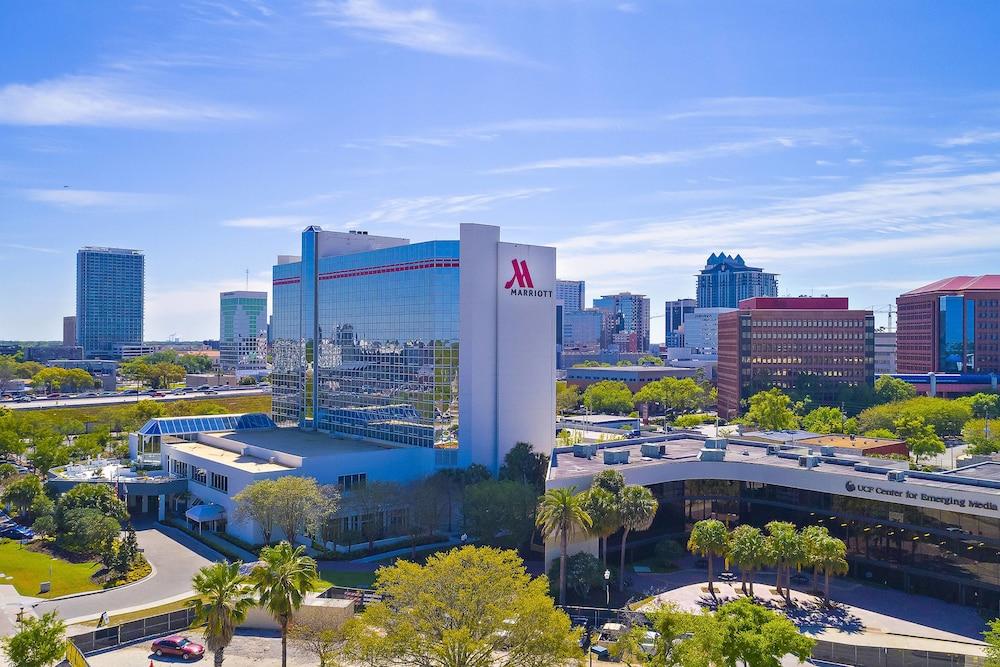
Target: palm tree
{"type": "Point", "coordinates": [602, 506]}
{"type": "Point", "coordinates": [829, 557]}
{"type": "Point", "coordinates": [224, 598]}
{"type": "Point", "coordinates": [747, 549]}
{"type": "Point", "coordinates": [709, 539]}
{"type": "Point", "coordinates": [812, 536]}
{"type": "Point", "coordinates": [786, 550]}
{"type": "Point", "coordinates": [636, 509]}
{"type": "Point", "coordinates": [561, 512]}
{"type": "Point", "coordinates": [282, 580]}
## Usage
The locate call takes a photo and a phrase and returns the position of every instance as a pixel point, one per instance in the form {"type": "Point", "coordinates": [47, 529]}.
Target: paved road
{"type": "Point", "coordinates": [175, 557]}
{"type": "Point", "coordinates": [114, 400]}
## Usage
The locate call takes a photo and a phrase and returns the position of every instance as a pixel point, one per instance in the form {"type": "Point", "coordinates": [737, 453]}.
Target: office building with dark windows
{"type": "Point", "coordinates": [934, 534]}
{"type": "Point", "coordinates": [110, 292]}
{"type": "Point", "coordinates": [727, 280]}
{"type": "Point", "coordinates": [573, 294]}
{"type": "Point", "coordinates": [676, 313]}
{"type": "Point", "coordinates": [815, 345]}
{"type": "Point", "coordinates": [626, 322]}
{"type": "Point", "coordinates": [950, 326]}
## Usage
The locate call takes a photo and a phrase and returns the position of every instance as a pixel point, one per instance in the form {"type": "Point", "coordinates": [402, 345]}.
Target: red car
{"type": "Point", "coordinates": [178, 645]}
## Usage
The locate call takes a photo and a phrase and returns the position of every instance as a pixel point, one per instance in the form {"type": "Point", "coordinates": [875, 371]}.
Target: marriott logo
{"type": "Point", "coordinates": [522, 278]}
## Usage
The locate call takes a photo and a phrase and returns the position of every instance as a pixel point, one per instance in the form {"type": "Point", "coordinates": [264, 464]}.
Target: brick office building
{"type": "Point", "coordinates": [950, 326]}
{"type": "Point", "coordinates": [791, 342]}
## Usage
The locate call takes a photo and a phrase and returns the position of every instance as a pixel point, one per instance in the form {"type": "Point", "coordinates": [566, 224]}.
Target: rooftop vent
{"type": "Point", "coordinates": [896, 475]}
{"type": "Point", "coordinates": [615, 456]}
{"type": "Point", "coordinates": [584, 451]}
{"type": "Point", "coordinates": [808, 461]}
{"type": "Point", "coordinates": [773, 449]}
{"type": "Point", "coordinates": [711, 454]}
{"type": "Point", "coordinates": [652, 450]}
{"type": "Point", "coordinates": [827, 451]}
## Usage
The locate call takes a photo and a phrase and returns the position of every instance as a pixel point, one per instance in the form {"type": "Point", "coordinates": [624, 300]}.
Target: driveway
{"type": "Point", "coordinates": [175, 558]}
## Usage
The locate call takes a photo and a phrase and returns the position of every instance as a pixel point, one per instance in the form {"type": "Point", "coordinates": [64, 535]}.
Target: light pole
{"type": "Point", "coordinates": [607, 586]}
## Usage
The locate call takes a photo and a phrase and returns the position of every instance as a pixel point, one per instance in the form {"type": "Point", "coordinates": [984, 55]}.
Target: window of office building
{"type": "Point", "coordinates": [220, 482]}
{"type": "Point", "coordinates": [348, 482]}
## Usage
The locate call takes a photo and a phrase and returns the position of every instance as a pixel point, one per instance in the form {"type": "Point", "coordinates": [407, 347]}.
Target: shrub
{"type": "Point", "coordinates": [584, 572]}
{"type": "Point", "coordinates": [687, 421]}
{"type": "Point", "coordinates": [947, 417]}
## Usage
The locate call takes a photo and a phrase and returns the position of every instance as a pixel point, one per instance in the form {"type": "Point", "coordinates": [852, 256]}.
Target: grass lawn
{"type": "Point", "coordinates": [347, 579]}
{"type": "Point", "coordinates": [29, 568]}
{"type": "Point", "coordinates": [118, 619]}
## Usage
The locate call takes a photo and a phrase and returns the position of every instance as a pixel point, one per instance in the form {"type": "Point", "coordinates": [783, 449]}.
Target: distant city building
{"type": "Point", "coordinates": [9, 349]}
{"type": "Point", "coordinates": [676, 312]}
{"type": "Point", "coordinates": [69, 330]}
{"type": "Point", "coordinates": [104, 370]}
{"type": "Point", "coordinates": [701, 329]}
{"type": "Point", "coordinates": [572, 293]}
{"type": "Point", "coordinates": [243, 331]}
{"type": "Point", "coordinates": [727, 280]}
{"type": "Point", "coordinates": [885, 352]}
{"type": "Point", "coordinates": [110, 288]}
{"type": "Point", "coordinates": [950, 326]}
{"type": "Point", "coordinates": [634, 376]}
{"type": "Point", "coordinates": [626, 321]}
{"type": "Point", "coordinates": [812, 344]}
{"type": "Point", "coordinates": [582, 329]}
{"type": "Point", "coordinates": [43, 354]}
{"type": "Point", "coordinates": [133, 350]}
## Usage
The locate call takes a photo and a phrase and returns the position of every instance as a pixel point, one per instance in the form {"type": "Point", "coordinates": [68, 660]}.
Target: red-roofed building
{"type": "Point", "coordinates": [950, 326]}
{"type": "Point", "coordinates": [814, 345]}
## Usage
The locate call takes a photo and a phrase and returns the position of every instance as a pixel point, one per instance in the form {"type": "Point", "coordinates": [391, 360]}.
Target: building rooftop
{"type": "Point", "coordinates": [989, 470]}
{"type": "Point", "coordinates": [959, 284]}
{"type": "Point", "coordinates": [847, 442]}
{"type": "Point", "coordinates": [599, 419]}
{"type": "Point", "coordinates": [249, 464]}
{"type": "Point", "coordinates": [292, 440]}
{"type": "Point", "coordinates": [649, 370]}
{"type": "Point", "coordinates": [794, 303]}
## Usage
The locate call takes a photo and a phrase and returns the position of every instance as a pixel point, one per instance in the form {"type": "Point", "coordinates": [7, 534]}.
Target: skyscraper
{"type": "Point", "coordinates": [243, 330]}
{"type": "Point", "coordinates": [572, 293]}
{"type": "Point", "coordinates": [726, 280]}
{"type": "Point", "coordinates": [676, 312]}
{"type": "Point", "coordinates": [69, 330]}
{"type": "Point", "coordinates": [626, 321]}
{"type": "Point", "coordinates": [110, 289]}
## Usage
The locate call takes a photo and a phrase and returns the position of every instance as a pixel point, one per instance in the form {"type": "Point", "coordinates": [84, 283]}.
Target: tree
{"type": "Point", "coordinates": [675, 395]}
{"type": "Point", "coordinates": [282, 580]}
{"type": "Point", "coordinates": [829, 556]}
{"type": "Point", "coordinates": [584, 572]}
{"type": "Point", "coordinates": [22, 492]}
{"type": "Point", "coordinates": [320, 637]}
{"type": "Point", "coordinates": [8, 371]}
{"type": "Point", "coordinates": [101, 497]}
{"type": "Point", "coordinates": [650, 360]}
{"type": "Point", "coordinates": [709, 538]}
{"type": "Point", "coordinates": [224, 599]}
{"type": "Point", "coordinates": [982, 436]}
{"type": "Point", "coordinates": [889, 389]}
{"type": "Point", "coordinates": [62, 379]}
{"type": "Point", "coordinates": [946, 416]}
{"type": "Point", "coordinates": [921, 440]}
{"type": "Point", "coordinates": [468, 607]}
{"type": "Point", "coordinates": [992, 639]}
{"type": "Point", "coordinates": [747, 550]}
{"type": "Point", "coordinates": [257, 502]}
{"type": "Point", "coordinates": [567, 397]}
{"type": "Point", "coordinates": [608, 396]}
{"type": "Point", "coordinates": [770, 411]}
{"type": "Point", "coordinates": [128, 551]}
{"type": "Point", "coordinates": [523, 464]}
{"type": "Point", "coordinates": [636, 510]}
{"type": "Point", "coordinates": [39, 642]}
{"type": "Point", "coordinates": [195, 363]}
{"type": "Point", "coordinates": [982, 404]}
{"type": "Point", "coordinates": [372, 501]}
{"type": "Point", "coordinates": [880, 433]}
{"type": "Point", "coordinates": [427, 507]}
{"type": "Point", "coordinates": [602, 506]}
{"type": "Point", "coordinates": [500, 512]}
{"type": "Point", "coordinates": [301, 505]}
{"type": "Point", "coordinates": [757, 636]}
{"type": "Point", "coordinates": [825, 419]}
{"type": "Point", "coordinates": [47, 451]}
{"type": "Point", "coordinates": [88, 532]}
{"type": "Point", "coordinates": [786, 550]}
{"type": "Point", "coordinates": [561, 512]}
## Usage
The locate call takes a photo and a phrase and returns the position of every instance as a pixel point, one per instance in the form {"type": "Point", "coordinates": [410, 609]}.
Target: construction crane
{"type": "Point", "coordinates": [888, 309]}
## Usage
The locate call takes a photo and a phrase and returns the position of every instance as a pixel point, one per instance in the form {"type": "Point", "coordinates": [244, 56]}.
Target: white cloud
{"type": "Point", "coordinates": [627, 7]}
{"type": "Point", "coordinates": [973, 137]}
{"type": "Point", "coordinates": [424, 211]}
{"type": "Point", "coordinates": [420, 29]}
{"type": "Point", "coordinates": [192, 310]}
{"type": "Point", "coordinates": [101, 102]}
{"type": "Point", "coordinates": [31, 248]}
{"type": "Point", "coordinates": [73, 198]}
{"type": "Point", "coordinates": [271, 222]}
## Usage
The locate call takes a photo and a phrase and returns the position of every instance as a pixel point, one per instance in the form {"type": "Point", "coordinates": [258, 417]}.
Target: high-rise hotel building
{"type": "Point", "coordinates": [441, 345]}
{"type": "Point", "coordinates": [110, 289]}
{"type": "Point", "coordinates": [243, 331]}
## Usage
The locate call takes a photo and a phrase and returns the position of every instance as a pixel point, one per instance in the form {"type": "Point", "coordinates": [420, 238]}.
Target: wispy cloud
{"type": "Point", "coordinates": [973, 137]}
{"type": "Point", "coordinates": [428, 210]}
{"type": "Point", "coordinates": [648, 159]}
{"type": "Point", "coordinates": [627, 7]}
{"type": "Point", "coordinates": [271, 222]}
{"type": "Point", "coordinates": [30, 248]}
{"type": "Point", "coordinates": [420, 29]}
{"type": "Point", "coordinates": [101, 101]}
{"type": "Point", "coordinates": [72, 198]}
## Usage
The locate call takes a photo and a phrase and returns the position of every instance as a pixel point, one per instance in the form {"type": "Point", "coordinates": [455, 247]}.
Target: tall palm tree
{"type": "Point", "coordinates": [282, 580]}
{"type": "Point", "coordinates": [602, 506]}
{"type": "Point", "coordinates": [786, 549]}
{"type": "Point", "coordinates": [747, 549]}
{"type": "Point", "coordinates": [560, 512]}
{"type": "Point", "coordinates": [636, 509]}
{"type": "Point", "coordinates": [224, 598]}
{"type": "Point", "coordinates": [812, 537]}
{"type": "Point", "coordinates": [709, 539]}
{"type": "Point", "coordinates": [830, 557]}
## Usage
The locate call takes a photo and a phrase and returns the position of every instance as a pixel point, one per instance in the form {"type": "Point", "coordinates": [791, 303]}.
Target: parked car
{"type": "Point", "coordinates": [178, 645]}
{"type": "Point", "coordinates": [210, 391]}
{"type": "Point", "coordinates": [157, 394]}
{"type": "Point", "coordinates": [129, 392]}
{"type": "Point", "coordinates": [204, 387]}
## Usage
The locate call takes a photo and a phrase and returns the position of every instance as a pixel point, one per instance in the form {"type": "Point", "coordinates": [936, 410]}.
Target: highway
{"type": "Point", "coordinates": [120, 399]}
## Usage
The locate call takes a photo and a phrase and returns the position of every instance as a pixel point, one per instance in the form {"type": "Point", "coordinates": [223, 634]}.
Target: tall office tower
{"type": "Point", "coordinates": [815, 345]}
{"type": "Point", "coordinates": [626, 321]}
{"type": "Point", "coordinates": [726, 280]}
{"type": "Point", "coordinates": [69, 330]}
{"type": "Point", "coordinates": [443, 345]}
{"type": "Point", "coordinates": [243, 330]}
{"type": "Point", "coordinates": [110, 289]}
{"type": "Point", "coordinates": [950, 326]}
{"type": "Point", "coordinates": [676, 312]}
{"type": "Point", "coordinates": [573, 295]}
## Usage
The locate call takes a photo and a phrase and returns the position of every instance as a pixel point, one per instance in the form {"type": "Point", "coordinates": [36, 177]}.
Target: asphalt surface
{"type": "Point", "coordinates": [175, 558]}
{"type": "Point", "coordinates": [114, 400]}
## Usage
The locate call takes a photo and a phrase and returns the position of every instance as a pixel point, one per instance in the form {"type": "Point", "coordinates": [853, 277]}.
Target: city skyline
{"type": "Point", "coordinates": [851, 149]}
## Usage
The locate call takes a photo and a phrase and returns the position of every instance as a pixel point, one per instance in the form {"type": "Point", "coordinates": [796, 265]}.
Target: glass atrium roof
{"type": "Point", "coordinates": [206, 423]}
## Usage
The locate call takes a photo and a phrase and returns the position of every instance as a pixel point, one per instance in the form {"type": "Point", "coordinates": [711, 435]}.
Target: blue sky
{"type": "Point", "coordinates": [852, 147]}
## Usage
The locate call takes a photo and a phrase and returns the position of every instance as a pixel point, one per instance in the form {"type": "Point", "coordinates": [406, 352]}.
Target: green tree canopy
{"type": "Point", "coordinates": [921, 439]}
{"type": "Point", "coordinates": [825, 420]}
{"type": "Point", "coordinates": [637, 508]}
{"type": "Point", "coordinates": [673, 394]}
{"type": "Point", "coordinates": [500, 512]}
{"type": "Point", "coordinates": [771, 411]}
{"type": "Point", "coordinates": [889, 389]}
{"type": "Point", "coordinates": [568, 397]}
{"type": "Point", "coordinates": [608, 396]}
{"type": "Point", "coordinates": [39, 642]}
{"type": "Point", "coordinates": [257, 502]}
{"type": "Point", "coordinates": [561, 512]}
{"type": "Point", "coordinates": [286, 574]}
{"type": "Point", "coordinates": [468, 607]}
{"type": "Point", "coordinates": [62, 379]}
{"type": "Point", "coordinates": [709, 538]}
{"type": "Point", "coordinates": [946, 416]}
{"type": "Point", "coordinates": [101, 497]}
{"type": "Point", "coordinates": [523, 464]}
{"type": "Point", "coordinates": [22, 492]}
{"type": "Point", "coordinates": [650, 360]}
{"type": "Point", "coordinates": [88, 532]}
{"type": "Point", "coordinates": [980, 439]}
{"type": "Point", "coordinates": [982, 404]}
{"type": "Point", "coordinates": [301, 505]}
{"type": "Point", "coordinates": [224, 600]}
{"type": "Point", "coordinates": [757, 636]}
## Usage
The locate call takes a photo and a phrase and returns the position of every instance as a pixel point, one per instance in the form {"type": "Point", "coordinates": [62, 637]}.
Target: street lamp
{"type": "Point", "coordinates": [607, 586]}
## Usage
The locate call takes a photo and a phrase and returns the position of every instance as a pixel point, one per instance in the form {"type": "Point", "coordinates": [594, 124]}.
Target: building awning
{"type": "Point", "coordinates": [205, 513]}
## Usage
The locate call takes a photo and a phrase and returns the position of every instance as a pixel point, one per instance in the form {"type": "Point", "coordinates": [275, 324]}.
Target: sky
{"type": "Point", "coordinates": [851, 147]}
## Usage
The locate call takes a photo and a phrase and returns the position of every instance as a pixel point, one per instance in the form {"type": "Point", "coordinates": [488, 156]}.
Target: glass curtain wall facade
{"type": "Point", "coordinates": [242, 330]}
{"type": "Point", "coordinates": [956, 334]}
{"type": "Point", "coordinates": [110, 289]}
{"type": "Point", "coordinates": [379, 360]}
